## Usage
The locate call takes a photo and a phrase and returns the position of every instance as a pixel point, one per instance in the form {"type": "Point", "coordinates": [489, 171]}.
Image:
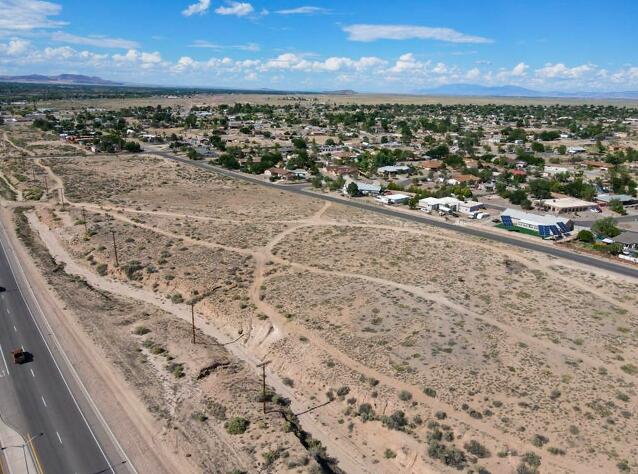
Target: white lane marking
{"type": "Point", "coordinates": [65, 357]}
{"type": "Point", "coordinates": [59, 438]}
{"type": "Point", "coordinates": [44, 401]}
{"type": "Point", "coordinates": [5, 361]}
{"type": "Point", "coordinates": [32, 372]}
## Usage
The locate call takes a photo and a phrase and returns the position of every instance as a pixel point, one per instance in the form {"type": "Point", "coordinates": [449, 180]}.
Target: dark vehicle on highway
{"type": "Point", "coordinates": [20, 356]}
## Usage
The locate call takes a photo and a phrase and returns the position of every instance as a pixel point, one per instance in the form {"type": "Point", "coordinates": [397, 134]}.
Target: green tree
{"type": "Point", "coordinates": [190, 121]}
{"type": "Point", "coordinates": [192, 154]}
{"type": "Point", "coordinates": [606, 227]}
{"type": "Point", "coordinates": [538, 147]}
{"type": "Point", "coordinates": [352, 189]}
{"type": "Point", "coordinates": [562, 149]}
{"type": "Point", "coordinates": [586, 236]}
{"type": "Point", "coordinates": [540, 188]}
{"type": "Point", "coordinates": [616, 206]}
{"type": "Point", "coordinates": [317, 182]}
{"type": "Point", "coordinates": [517, 196]}
{"type": "Point", "coordinates": [132, 147]}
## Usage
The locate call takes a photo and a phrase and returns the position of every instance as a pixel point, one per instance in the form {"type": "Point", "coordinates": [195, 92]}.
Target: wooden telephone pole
{"type": "Point", "coordinates": [117, 262]}
{"type": "Point", "coordinates": [86, 230]}
{"type": "Point", "coordinates": [263, 382]}
{"type": "Point", "coordinates": [193, 319]}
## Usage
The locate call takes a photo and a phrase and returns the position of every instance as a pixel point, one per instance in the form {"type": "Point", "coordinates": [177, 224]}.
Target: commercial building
{"type": "Point", "coordinates": [567, 204]}
{"type": "Point", "coordinates": [393, 198]}
{"type": "Point", "coordinates": [544, 226]}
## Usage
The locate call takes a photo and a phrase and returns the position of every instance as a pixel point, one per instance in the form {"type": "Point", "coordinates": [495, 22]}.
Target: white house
{"type": "Point", "coordinates": [393, 199]}
{"type": "Point", "coordinates": [367, 189]}
{"type": "Point", "coordinates": [572, 150]}
{"type": "Point", "coordinates": [396, 169]}
{"type": "Point", "coordinates": [470, 207]}
{"type": "Point", "coordinates": [445, 204]}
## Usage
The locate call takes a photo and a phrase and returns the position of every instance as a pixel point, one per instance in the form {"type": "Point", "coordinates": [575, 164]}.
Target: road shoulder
{"type": "Point", "coordinates": [127, 422]}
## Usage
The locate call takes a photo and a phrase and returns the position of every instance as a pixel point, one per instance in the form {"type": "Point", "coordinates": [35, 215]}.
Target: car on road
{"type": "Point", "coordinates": [20, 356]}
{"type": "Point", "coordinates": [2, 289]}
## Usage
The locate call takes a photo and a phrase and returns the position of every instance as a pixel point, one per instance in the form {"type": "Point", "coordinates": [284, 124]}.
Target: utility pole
{"type": "Point", "coordinates": [263, 382]}
{"type": "Point", "coordinates": [193, 319]}
{"type": "Point", "coordinates": [117, 263]}
{"type": "Point", "coordinates": [86, 231]}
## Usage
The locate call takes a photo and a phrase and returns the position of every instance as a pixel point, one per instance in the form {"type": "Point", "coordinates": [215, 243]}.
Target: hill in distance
{"type": "Point", "coordinates": [75, 79]}
{"type": "Point", "coordinates": [477, 90]}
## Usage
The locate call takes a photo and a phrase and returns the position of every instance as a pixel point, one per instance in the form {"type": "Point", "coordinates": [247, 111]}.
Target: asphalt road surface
{"type": "Point", "coordinates": [35, 397]}
{"type": "Point", "coordinates": [524, 244]}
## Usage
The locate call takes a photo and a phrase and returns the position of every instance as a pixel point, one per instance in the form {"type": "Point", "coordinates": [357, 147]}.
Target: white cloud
{"type": "Point", "coordinates": [440, 68]}
{"type": "Point", "coordinates": [306, 10]}
{"type": "Point", "coordinates": [27, 15]}
{"type": "Point", "coordinates": [198, 8]}
{"type": "Point", "coordinates": [253, 47]}
{"type": "Point", "coordinates": [519, 70]}
{"type": "Point", "coordinates": [131, 55]}
{"type": "Point", "coordinates": [296, 62]}
{"type": "Point", "coordinates": [406, 62]}
{"type": "Point", "coordinates": [473, 74]}
{"type": "Point", "coordinates": [560, 71]}
{"type": "Point", "coordinates": [96, 41]}
{"type": "Point", "coordinates": [236, 8]}
{"type": "Point", "coordinates": [363, 32]}
{"type": "Point", "coordinates": [15, 47]}
{"type": "Point", "coordinates": [151, 58]}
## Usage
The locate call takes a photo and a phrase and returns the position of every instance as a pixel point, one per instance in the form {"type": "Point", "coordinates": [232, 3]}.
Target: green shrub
{"type": "Point", "coordinates": [177, 298]}
{"type": "Point", "coordinates": [389, 454]}
{"type": "Point", "coordinates": [366, 412]}
{"type": "Point", "coordinates": [477, 449]}
{"type": "Point", "coordinates": [556, 451]}
{"type": "Point", "coordinates": [396, 421]}
{"type": "Point", "coordinates": [539, 440]}
{"type": "Point", "coordinates": [343, 391]}
{"type": "Point", "coordinates": [405, 396]}
{"type": "Point", "coordinates": [270, 456]}
{"type": "Point", "coordinates": [450, 456]}
{"type": "Point", "coordinates": [237, 425]}
{"type": "Point", "coordinates": [102, 269]}
{"type": "Point", "coordinates": [430, 392]}
{"type": "Point", "coordinates": [141, 330]}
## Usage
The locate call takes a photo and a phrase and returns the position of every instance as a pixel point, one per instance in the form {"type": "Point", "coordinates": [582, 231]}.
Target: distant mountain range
{"type": "Point", "coordinates": [477, 90]}
{"type": "Point", "coordinates": [75, 79]}
{"type": "Point", "coordinates": [459, 90]}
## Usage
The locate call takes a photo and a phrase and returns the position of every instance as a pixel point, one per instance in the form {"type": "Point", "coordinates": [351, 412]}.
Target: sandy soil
{"type": "Point", "coordinates": [516, 351]}
{"type": "Point", "coordinates": [309, 100]}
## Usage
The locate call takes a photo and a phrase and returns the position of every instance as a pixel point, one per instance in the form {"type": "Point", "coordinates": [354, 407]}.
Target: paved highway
{"type": "Point", "coordinates": [37, 397]}
{"type": "Point", "coordinates": [504, 238]}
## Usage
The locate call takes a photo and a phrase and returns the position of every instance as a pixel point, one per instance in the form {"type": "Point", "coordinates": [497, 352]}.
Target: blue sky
{"type": "Point", "coordinates": [389, 46]}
